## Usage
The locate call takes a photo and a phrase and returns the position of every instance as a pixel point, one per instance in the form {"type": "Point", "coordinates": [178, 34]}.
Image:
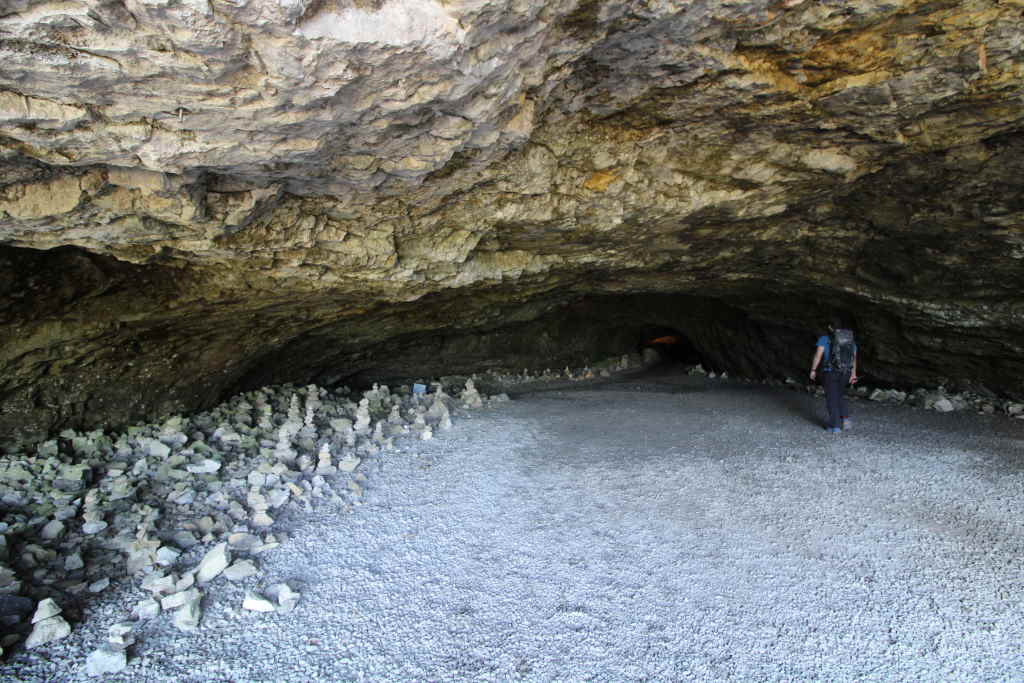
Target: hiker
{"type": "Point", "coordinates": [837, 356]}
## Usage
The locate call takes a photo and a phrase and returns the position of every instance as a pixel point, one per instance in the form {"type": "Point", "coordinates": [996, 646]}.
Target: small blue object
{"type": "Point", "coordinates": [835, 430]}
{"type": "Point", "coordinates": [419, 388]}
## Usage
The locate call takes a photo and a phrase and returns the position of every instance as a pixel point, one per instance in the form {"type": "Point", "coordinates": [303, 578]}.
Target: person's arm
{"type": "Point", "coordinates": [853, 373]}
{"type": "Point", "coordinates": [818, 353]}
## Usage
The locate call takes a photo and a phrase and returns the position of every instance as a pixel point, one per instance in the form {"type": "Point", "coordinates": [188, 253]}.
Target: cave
{"type": "Point", "coordinates": [735, 171]}
{"type": "Point", "coordinates": [203, 199]}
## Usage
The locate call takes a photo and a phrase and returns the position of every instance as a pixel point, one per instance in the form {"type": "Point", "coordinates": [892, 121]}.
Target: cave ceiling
{"type": "Point", "coordinates": [194, 193]}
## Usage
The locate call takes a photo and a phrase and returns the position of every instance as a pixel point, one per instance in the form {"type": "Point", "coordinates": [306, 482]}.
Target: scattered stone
{"type": "Point", "coordinates": [349, 463]}
{"type": "Point", "coordinates": [146, 609]}
{"type": "Point", "coordinates": [73, 562]}
{"type": "Point", "coordinates": [45, 609]}
{"type": "Point", "coordinates": [106, 660]}
{"type": "Point", "coordinates": [255, 603]}
{"type": "Point", "coordinates": [93, 527]}
{"type": "Point", "coordinates": [175, 600]}
{"type": "Point", "coordinates": [943, 405]}
{"type": "Point", "coordinates": [99, 585]}
{"type": "Point", "coordinates": [241, 569]}
{"type": "Point", "coordinates": [286, 598]}
{"type": "Point", "coordinates": [47, 631]}
{"type": "Point", "coordinates": [188, 615]}
{"type": "Point", "coordinates": [213, 563]}
{"type": "Point", "coordinates": [262, 520]}
{"type": "Point", "coordinates": [52, 531]}
{"type": "Point", "coordinates": [244, 542]}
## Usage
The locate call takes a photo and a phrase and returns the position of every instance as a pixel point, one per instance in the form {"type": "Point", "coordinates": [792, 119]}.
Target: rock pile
{"type": "Point", "coordinates": [937, 399]}
{"type": "Point", "coordinates": [606, 368]}
{"type": "Point", "coordinates": [86, 507]}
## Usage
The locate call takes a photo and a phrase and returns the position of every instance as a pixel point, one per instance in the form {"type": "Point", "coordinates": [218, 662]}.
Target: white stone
{"type": "Point", "coordinates": [262, 520]}
{"type": "Point", "coordinates": [207, 466]}
{"type": "Point", "coordinates": [167, 556]}
{"type": "Point", "coordinates": [158, 583]}
{"type": "Point", "coordinates": [286, 598]}
{"type": "Point", "coordinates": [93, 527]}
{"type": "Point", "coordinates": [106, 660]}
{"type": "Point", "coordinates": [242, 569]}
{"type": "Point", "coordinates": [255, 603]}
{"type": "Point", "coordinates": [45, 609]}
{"type": "Point", "coordinates": [47, 631]}
{"type": "Point", "coordinates": [244, 542]}
{"type": "Point", "coordinates": [188, 616]}
{"type": "Point", "coordinates": [146, 609]}
{"type": "Point", "coordinates": [943, 405]}
{"type": "Point", "coordinates": [349, 463]}
{"type": "Point", "coordinates": [213, 563]}
{"type": "Point", "coordinates": [99, 585]}
{"type": "Point", "coordinates": [175, 600]}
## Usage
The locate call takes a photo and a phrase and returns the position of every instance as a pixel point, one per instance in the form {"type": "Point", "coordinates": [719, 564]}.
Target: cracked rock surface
{"type": "Point", "coordinates": [203, 197]}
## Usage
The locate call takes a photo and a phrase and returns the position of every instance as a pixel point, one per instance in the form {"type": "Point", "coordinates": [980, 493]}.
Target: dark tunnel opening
{"type": "Point", "coordinates": [666, 346]}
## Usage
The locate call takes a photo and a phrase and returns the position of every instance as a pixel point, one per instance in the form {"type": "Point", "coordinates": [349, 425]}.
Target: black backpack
{"type": "Point", "coordinates": [842, 350]}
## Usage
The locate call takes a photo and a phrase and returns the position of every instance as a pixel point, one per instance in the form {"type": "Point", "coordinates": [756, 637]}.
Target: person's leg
{"type": "Point", "coordinates": [844, 404]}
{"type": "Point", "coordinates": [831, 382]}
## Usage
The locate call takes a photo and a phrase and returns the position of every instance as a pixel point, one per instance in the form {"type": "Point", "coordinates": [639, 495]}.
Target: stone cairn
{"type": "Point", "coordinates": [85, 507]}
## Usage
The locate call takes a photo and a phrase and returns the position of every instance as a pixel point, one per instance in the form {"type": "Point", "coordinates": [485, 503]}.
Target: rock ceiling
{"type": "Point", "coordinates": [198, 195]}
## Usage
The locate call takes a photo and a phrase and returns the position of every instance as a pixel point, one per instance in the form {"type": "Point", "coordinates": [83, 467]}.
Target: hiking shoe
{"type": "Point", "coordinates": [847, 423]}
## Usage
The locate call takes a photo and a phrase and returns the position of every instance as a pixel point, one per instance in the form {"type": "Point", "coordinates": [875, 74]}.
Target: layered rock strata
{"type": "Point", "coordinates": [199, 197]}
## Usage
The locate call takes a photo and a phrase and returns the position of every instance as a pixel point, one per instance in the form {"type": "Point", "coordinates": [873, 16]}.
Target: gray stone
{"type": "Point", "coordinates": [53, 530]}
{"type": "Point", "coordinates": [242, 569]}
{"type": "Point", "coordinates": [99, 585]}
{"type": "Point", "coordinates": [255, 603]}
{"type": "Point", "coordinates": [167, 556]}
{"type": "Point", "coordinates": [146, 609]}
{"type": "Point", "coordinates": [106, 660]}
{"type": "Point", "coordinates": [244, 542]}
{"type": "Point", "coordinates": [213, 563]}
{"type": "Point", "coordinates": [73, 562]}
{"type": "Point", "coordinates": [94, 527]}
{"type": "Point", "coordinates": [47, 631]}
{"type": "Point", "coordinates": [944, 405]}
{"type": "Point", "coordinates": [45, 609]}
{"type": "Point", "coordinates": [175, 600]}
{"type": "Point", "coordinates": [286, 598]}
{"type": "Point", "coordinates": [188, 616]}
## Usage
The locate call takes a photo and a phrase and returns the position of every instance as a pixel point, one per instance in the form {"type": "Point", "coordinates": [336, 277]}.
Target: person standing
{"type": "Point", "coordinates": [836, 354]}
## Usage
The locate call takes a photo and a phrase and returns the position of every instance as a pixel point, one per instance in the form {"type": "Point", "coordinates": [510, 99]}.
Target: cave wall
{"type": "Point", "coordinates": [197, 197]}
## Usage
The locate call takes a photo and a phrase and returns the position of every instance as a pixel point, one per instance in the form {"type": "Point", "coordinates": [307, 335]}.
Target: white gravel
{"type": "Point", "coordinates": [665, 528]}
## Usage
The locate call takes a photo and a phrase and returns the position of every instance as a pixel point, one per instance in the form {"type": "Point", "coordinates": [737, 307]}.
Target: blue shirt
{"type": "Point", "coordinates": [826, 341]}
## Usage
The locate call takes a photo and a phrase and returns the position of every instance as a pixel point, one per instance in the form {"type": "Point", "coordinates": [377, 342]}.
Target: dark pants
{"type": "Point", "coordinates": [835, 397]}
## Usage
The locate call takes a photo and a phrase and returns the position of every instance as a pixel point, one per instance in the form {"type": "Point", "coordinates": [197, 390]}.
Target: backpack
{"type": "Point", "coordinates": [841, 351]}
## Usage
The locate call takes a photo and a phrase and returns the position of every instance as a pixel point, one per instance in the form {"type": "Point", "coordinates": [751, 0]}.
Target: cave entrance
{"type": "Point", "coordinates": [666, 346]}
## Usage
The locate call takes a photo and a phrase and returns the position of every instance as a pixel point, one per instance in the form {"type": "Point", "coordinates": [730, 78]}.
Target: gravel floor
{"type": "Point", "coordinates": [660, 528]}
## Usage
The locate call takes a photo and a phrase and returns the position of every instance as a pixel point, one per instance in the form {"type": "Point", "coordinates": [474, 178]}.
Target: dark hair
{"type": "Point", "coordinates": [836, 322]}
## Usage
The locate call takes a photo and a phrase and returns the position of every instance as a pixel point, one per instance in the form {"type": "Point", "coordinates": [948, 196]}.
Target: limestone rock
{"type": "Point", "coordinates": [188, 616]}
{"type": "Point", "coordinates": [146, 609]}
{"type": "Point", "coordinates": [45, 609]}
{"type": "Point", "coordinates": [48, 630]}
{"type": "Point", "coordinates": [255, 603]}
{"type": "Point", "coordinates": [240, 570]}
{"type": "Point", "coordinates": [213, 563]}
{"type": "Point", "coordinates": [106, 660]}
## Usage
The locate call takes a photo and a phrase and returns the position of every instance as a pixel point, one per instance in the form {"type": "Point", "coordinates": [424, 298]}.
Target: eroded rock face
{"type": "Point", "coordinates": [200, 196]}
